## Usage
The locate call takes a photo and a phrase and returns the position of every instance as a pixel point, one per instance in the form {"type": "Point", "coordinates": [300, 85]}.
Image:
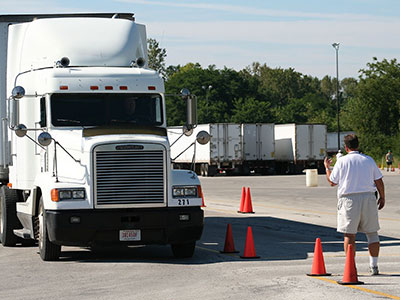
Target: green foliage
{"type": "Point", "coordinates": [157, 56]}
{"type": "Point", "coordinates": [374, 112]}
{"type": "Point", "coordinates": [251, 110]}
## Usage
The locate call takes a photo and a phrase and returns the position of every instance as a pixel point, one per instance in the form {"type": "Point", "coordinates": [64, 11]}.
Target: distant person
{"type": "Point", "coordinates": [339, 154]}
{"type": "Point", "coordinates": [358, 178]}
{"type": "Point", "coordinates": [389, 160]}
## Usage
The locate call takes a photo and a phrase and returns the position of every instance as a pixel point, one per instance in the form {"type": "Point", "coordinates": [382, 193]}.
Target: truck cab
{"type": "Point", "coordinates": [84, 151]}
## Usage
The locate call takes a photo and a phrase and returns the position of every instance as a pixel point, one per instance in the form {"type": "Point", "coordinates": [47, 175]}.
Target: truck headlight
{"type": "Point", "coordinates": [184, 191]}
{"type": "Point", "coordinates": [78, 194]}
{"type": "Point", "coordinates": [64, 194]}
{"type": "Point", "coordinates": [67, 194]}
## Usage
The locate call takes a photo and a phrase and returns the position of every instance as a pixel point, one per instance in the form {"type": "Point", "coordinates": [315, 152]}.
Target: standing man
{"type": "Point", "coordinates": [389, 160]}
{"type": "Point", "coordinates": [358, 178]}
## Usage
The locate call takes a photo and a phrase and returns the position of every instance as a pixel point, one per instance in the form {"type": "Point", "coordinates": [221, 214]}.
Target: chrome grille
{"type": "Point", "coordinates": [125, 177]}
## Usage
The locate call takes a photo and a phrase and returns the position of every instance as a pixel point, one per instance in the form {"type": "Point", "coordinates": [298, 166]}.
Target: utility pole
{"type": "Point", "coordinates": [336, 46]}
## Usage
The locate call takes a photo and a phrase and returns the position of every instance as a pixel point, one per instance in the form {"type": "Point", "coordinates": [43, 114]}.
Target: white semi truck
{"type": "Point", "coordinates": [84, 153]}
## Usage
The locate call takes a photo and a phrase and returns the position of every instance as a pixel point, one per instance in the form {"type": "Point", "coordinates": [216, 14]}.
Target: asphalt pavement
{"type": "Point", "coordinates": [287, 219]}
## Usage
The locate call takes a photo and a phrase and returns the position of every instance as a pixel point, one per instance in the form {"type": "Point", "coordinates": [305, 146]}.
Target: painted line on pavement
{"type": "Point", "coordinates": [359, 288]}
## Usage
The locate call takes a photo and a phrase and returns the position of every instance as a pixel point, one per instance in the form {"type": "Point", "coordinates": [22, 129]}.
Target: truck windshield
{"type": "Point", "coordinates": [106, 109]}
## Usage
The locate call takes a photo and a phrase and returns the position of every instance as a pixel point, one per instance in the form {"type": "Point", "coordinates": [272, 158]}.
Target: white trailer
{"type": "Point", "coordinates": [84, 150]}
{"type": "Point", "coordinates": [258, 148]}
{"type": "Point", "coordinates": [233, 149]}
{"type": "Point", "coordinates": [332, 141]}
{"type": "Point", "coordinates": [299, 146]}
{"type": "Point", "coordinates": [223, 153]}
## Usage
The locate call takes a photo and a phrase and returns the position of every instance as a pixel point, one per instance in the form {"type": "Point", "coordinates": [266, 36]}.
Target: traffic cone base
{"type": "Point", "coordinates": [318, 266]}
{"type": "Point", "coordinates": [245, 257]}
{"type": "Point", "coordinates": [350, 283]}
{"type": "Point", "coordinates": [229, 244]}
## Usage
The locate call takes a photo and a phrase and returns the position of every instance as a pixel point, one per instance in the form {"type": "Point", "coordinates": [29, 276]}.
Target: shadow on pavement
{"type": "Point", "coordinates": [274, 239]}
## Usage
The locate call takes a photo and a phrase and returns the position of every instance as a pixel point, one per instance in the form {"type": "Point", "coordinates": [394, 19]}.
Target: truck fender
{"type": "Point", "coordinates": [44, 182]}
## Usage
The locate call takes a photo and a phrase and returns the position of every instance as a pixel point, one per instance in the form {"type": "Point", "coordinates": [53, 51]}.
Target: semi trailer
{"type": "Point", "coordinates": [299, 147]}
{"type": "Point", "coordinates": [234, 149]}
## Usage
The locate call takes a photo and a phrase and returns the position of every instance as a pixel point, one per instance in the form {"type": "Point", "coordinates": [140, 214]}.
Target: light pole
{"type": "Point", "coordinates": [336, 46]}
{"type": "Point", "coordinates": [207, 89]}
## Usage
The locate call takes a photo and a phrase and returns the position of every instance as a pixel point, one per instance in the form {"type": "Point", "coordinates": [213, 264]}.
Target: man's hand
{"type": "Point", "coordinates": [327, 162]}
{"type": "Point", "coordinates": [381, 190]}
{"type": "Point", "coordinates": [381, 203]}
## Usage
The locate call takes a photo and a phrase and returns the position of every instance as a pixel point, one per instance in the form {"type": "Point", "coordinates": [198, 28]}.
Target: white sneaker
{"type": "Point", "coordinates": [374, 271]}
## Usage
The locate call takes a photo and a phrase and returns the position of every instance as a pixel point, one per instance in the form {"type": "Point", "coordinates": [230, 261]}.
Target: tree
{"type": "Point", "coordinates": [156, 56]}
{"type": "Point", "coordinates": [374, 110]}
{"type": "Point", "coordinates": [251, 110]}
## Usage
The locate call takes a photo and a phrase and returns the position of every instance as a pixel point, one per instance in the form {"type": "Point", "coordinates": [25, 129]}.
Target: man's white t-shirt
{"type": "Point", "coordinates": [355, 173]}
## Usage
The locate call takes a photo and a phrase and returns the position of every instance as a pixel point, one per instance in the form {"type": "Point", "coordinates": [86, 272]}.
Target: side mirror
{"type": "Point", "coordinates": [191, 108]}
{"type": "Point", "coordinates": [13, 113]}
{"type": "Point", "coordinates": [203, 137]}
{"type": "Point", "coordinates": [20, 130]}
{"type": "Point", "coordinates": [18, 92]}
{"type": "Point", "coordinates": [45, 139]}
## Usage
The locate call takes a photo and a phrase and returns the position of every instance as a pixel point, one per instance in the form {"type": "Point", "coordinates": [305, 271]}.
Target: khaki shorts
{"type": "Point", "coordinates": [357, 213]}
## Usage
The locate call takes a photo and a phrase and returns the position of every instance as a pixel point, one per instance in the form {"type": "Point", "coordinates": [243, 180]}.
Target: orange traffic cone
{"type": "Point", "coordinates": [318, 266]}
{"type": "Point", "coordinates": [350, 270]}
{"type": "Point", "coordinates": [248, 207]}
{"type": "Point", "coordinates": [249, 251]}
{"type": "Point", "coordinates": [229, 244]}
{"type": "Point", "coordinates": [202, 196]}
{"type": "Point", "coordinates": [242, 200]}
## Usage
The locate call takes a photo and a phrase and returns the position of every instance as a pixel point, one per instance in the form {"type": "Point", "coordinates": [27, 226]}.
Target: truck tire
{"type": "Point", "coordinates": [48, 251]}
{"type": "Point", "coordinates": [8, 216]}
{"type": "Point", "coordinates": [211, 170]}
{"type": "Point", "coordinates": [183, 250]}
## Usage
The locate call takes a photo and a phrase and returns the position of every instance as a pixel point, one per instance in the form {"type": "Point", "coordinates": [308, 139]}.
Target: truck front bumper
{"type": "Point", "coordinates": [103, 226]}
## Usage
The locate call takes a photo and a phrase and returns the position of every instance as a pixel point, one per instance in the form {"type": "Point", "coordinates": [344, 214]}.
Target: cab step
{"type": "Point", "coordinates": [23, 233]}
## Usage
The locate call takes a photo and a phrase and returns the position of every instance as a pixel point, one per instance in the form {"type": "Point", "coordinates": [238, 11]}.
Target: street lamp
{"type": "Point", "coordinates": [336, 46]}
{"type": "Point", "coordinates": [207, 89]}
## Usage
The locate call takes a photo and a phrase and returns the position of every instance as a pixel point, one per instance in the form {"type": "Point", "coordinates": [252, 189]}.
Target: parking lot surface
{"type": "Point", "coordinates": [287, 219]}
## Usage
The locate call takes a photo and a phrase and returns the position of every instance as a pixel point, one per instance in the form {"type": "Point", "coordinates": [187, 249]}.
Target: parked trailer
{"type": "Point", "coordinates": [300, 146]}
{"type": "Point", "coordinates": [234, 149]}
{"type": "Point", "coordinates": [224, 152]}
{"type": "Point", "coordinates": [84, 148]}
{"type": "Point", "coordinates": [258, 148]}
{"type": "Point", "coordinates": [332, 141]}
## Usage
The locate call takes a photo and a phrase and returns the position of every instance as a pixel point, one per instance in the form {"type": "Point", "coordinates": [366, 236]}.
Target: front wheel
{"type": "Point", "coordinates": [183, 250]}
{"type": "Point", "coordinates": [8, 216]}
{"type": "Point", "coordinates": [48, 251]}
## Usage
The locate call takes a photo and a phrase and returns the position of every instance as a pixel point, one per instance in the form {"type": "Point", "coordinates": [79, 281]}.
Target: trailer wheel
{"type": "Point", "coordinates": [183, 250]}
{"type": "Point", "coordinates": [48, 251]}
{"type": "Point", "coordinates": [8, 216]}
{"type": "Point", "coordinates": [211, 170]}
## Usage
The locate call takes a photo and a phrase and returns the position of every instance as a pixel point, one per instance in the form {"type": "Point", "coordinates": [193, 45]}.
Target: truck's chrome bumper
{"type": "Point", "coordinates": [157, 225]}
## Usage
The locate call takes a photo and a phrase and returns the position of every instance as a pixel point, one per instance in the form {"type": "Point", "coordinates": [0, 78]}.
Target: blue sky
{"type": "Point", "coordinates": [284, 33]}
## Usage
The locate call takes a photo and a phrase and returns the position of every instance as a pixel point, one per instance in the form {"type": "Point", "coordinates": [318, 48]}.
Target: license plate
{"type": "Point", "coordinates": [129, 235]}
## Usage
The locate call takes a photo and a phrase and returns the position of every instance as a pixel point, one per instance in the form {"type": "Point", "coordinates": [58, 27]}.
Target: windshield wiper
{"type": "Point", "coordinates": [69, 121]}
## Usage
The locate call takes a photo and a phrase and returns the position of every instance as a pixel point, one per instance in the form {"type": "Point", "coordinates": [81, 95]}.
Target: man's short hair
{"type": "Point", "coordinates": [351, 141]}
